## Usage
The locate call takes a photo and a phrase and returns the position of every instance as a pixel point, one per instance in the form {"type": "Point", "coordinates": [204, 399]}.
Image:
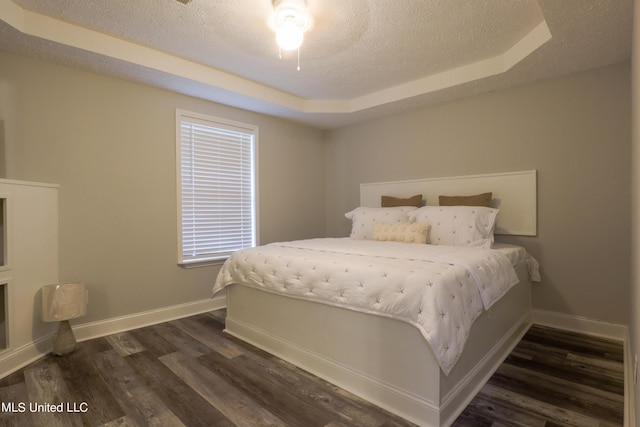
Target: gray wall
{"type": "Point", "coordinates": [575, 131]}
{"type": "Point", "coordinates": [110, 145]}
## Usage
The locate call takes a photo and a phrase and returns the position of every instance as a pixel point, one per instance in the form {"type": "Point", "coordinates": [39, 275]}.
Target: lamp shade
{"type": "Point", "coordinates": [63, 301]}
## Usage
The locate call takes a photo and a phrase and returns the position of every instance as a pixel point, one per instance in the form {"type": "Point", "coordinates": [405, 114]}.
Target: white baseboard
{"type": "Point", "coordinates": [581, 324]}
{"type": "Point", "coordinates": [114, 325]}
{"type": "Point", "coordinates": [12, 360]}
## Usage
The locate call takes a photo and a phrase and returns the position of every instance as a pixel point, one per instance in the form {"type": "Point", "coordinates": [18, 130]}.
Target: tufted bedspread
{"type": "Point", "coordinates": [439, 289]}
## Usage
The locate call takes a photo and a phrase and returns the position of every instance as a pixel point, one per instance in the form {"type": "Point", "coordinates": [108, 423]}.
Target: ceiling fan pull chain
{"type": "Point", "coordinates": [298, 59]}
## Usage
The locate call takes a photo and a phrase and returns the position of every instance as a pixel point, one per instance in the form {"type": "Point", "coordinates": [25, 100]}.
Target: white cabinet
{"type": "Point", "coordinates": [3, 242]}
{"type": "Point", "coordinates": [3, 288]}
{"type": "Point", "coordinates": [28, 260]}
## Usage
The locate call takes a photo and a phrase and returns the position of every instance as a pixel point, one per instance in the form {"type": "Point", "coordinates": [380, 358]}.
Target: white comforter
{"type": "Point", "coordinates": [439, 289]}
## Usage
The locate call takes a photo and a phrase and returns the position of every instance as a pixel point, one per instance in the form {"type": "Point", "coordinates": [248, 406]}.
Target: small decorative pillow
{"type": "Point", "coordinates": [390, 201]}
{"type": "Point", "coordinates": [363, 219]}
{"type": "Point", "coordinates": [458, 225]}
{"type": "Point", "coordinates": [483, 199]}
{"type": "Point", "coordinates": [415, 232]}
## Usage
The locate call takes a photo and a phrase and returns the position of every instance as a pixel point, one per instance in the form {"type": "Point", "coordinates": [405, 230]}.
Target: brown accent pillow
{"type": "Point", "coordinates": [483, 199]}
{"type": "Point", "coordinates": [390, 202]}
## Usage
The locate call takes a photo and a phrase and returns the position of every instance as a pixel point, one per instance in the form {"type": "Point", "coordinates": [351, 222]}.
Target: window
{"type": "Point", "coordinates": [216, 187]}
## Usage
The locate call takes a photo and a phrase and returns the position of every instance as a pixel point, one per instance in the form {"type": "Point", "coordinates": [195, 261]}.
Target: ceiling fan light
{"type": "Point", "coordinates": [290, 20]}
{"type": "Point", "coordinates": [289, 37]}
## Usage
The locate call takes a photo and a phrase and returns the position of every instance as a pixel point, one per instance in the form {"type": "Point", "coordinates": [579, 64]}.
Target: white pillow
{"type": "Point", "coordinates": [415, 232]}
{"type": "Point", "coordinates": [458, 225]}
{"type": "Point", "coordinates": [363, 219]}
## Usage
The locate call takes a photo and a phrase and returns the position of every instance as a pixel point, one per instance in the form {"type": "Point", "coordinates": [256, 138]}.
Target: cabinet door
{"type": "Point", "coordinates": [3, 232]}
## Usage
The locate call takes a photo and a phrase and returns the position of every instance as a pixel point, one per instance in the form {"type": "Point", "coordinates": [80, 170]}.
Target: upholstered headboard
{"type": "Point", "coordinates": [514, 194]}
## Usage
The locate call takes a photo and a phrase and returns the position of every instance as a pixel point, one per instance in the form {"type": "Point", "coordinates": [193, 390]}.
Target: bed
{"type": "Point", "coordinates": [415, 328]}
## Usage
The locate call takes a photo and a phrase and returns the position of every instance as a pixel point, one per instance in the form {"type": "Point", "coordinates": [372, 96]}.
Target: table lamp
{"type": "Point", "coordinates": [61, 302]}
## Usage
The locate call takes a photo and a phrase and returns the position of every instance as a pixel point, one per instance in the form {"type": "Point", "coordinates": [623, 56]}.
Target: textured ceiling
{"type": "Point", "coordinates": [363, 58]}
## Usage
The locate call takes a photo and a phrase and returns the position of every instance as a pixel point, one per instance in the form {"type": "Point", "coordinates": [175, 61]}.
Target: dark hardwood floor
{"type": "Point", "coordinates": [187, 372]}
{"type": "Point", "coordinates": [183, 372]}
{"type": "Point", "coordinates": [553, 378]}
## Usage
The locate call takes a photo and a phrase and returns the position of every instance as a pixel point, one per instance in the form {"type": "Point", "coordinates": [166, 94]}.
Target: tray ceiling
{"type": "Point", "coordinates": [363, 58]}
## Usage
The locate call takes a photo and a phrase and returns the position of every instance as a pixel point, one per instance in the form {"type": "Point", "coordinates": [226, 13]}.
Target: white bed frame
{"type": "Point", "coordinates": [383, 360]}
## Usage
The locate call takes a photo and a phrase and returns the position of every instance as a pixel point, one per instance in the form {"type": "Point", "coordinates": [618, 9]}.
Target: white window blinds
{"type": "Point", "coordinates": [216, 187]}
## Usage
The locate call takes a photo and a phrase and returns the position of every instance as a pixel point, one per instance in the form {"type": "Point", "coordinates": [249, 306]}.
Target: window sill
{"type": "Point", "coordinates": [202, 263]}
